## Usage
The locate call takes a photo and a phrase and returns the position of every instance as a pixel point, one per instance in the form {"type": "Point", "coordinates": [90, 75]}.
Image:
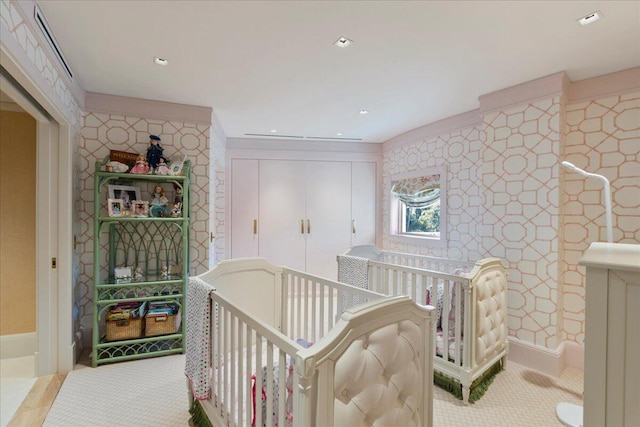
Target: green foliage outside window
{"type": "Point", "coordinates": [423, 220]}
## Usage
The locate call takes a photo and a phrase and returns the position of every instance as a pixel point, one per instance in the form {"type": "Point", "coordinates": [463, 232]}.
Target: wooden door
{"type": "Point", "coordinates": [328, 226]}
{"type": "Point", "coordinates": [282, 208]}
{"type": "Point", "coordinates": [244, 208]}
{"type": "Point", "coordinates": [363, 203]}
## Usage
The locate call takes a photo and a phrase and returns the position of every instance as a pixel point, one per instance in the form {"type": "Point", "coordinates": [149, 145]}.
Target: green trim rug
{"type": "Point", "coordinates": [478, 387]}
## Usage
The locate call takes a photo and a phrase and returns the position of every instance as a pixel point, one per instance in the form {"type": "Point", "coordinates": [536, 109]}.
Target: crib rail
{"type": "Point", "coordinates": [238, 367]}
{"type": "Point", "coordinates": [312, 305]}
{"type": "Point", "coordinates": [426, 262]}
{"type": "Point", "coordinates": [416, 283]}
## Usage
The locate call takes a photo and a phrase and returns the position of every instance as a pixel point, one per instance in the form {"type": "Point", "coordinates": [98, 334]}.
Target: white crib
{"type": "Point", "coordinates": [471, 335]}
{"type": "Point", "coordinates": [369, 363]}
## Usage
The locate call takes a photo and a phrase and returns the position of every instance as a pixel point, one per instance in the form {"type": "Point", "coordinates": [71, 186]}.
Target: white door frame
{"type": "Point", "coordinates": [55, 343]}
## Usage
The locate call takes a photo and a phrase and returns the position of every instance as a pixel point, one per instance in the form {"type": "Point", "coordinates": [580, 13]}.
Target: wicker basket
{"type": "Point", "coordinates": [126, 329]}
{"type": "Point", "coordinates": [162, 325]}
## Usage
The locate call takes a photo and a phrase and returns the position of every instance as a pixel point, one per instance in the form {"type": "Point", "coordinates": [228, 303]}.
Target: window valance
{"type": "Point", "coordinates": [419, 192]}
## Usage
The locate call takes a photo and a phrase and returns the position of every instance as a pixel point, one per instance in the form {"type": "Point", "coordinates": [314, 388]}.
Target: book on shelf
{"type": "Point", "coordinates": [127, 310]}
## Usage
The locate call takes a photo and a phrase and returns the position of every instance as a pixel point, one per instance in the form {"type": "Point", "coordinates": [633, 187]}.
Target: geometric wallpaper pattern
{"type": "Point", "coordinates": [218, 151]}
{"type": "Point", "coordinates": [509, 197]}
{"type": "Point", "coordinates": [521, 217]}
{"type": "Point", "coordinates": [602, 136]}
{"type": "Point", "coordinates": [460, 152]}
{"type": "Point", "coordinates": [104, 132]}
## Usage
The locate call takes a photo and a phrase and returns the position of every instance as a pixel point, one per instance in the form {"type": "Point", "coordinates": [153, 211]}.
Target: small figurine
{"type": "Point", "coordinates": [141, 166]}
{"type": "Point", "coordinates": [138, 273]}
{"type": "Point", "coordinates": [176, 211]}
{"type": "Point", "coordinates": [178, 197]}
{"type": "Point", "coordinates": [154, 152]}
{"type": "Point", "coordinates": [162, 168]}
{"type": "Point", "coordinates": [164, 272]}
{"type": "Point", "coordinates": [114, 166]}
{"type": "Point", "coordinates": [158, 197]}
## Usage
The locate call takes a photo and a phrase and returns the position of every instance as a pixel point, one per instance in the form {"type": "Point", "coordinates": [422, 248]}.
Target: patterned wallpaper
{"type": "Point", "coordinates": [104, 132]}
{"type": "Point", "coordinates": [20, 29]}
{"type": "Point", "coordinates": [460, 151]}
{"type": "Point", "coordinates": [218, 150]}
{"type": "Point", "coordinates": [521, 216]}
{"type": "Point", "coordinates": [509, 198]}
{"type": "Point", "coordinates": [602, 136]}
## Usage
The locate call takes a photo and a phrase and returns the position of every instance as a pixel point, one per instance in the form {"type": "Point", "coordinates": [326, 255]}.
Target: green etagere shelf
{"type": "Point", "coordinates": [158, 245]}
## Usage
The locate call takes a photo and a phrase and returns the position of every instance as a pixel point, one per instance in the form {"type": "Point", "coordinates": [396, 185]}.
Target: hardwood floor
{"type": "Point", "coordinates": [33, 410]}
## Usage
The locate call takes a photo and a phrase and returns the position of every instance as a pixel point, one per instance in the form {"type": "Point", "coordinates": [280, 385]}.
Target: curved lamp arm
{"type": "Point", "coordinates": [607, 194]}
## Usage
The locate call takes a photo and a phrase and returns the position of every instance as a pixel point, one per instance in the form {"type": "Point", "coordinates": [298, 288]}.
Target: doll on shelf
{"type": "Point", "coordinates": [162, 168]}
{"type": "Point", "coordinates": [158, 197]}
{"type": "Point", "coordinates": [141, 166]}
{"type": "Point", "coordinates": [178, 197]}
{"type": "Point", "coordinates": [154, 152]}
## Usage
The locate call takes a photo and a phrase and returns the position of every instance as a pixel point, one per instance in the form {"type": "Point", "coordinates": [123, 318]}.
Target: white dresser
{"type": "Point", "coordinates": [612, 335]}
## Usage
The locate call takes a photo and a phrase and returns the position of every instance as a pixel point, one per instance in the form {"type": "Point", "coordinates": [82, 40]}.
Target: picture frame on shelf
{"type": "Point", "coordinates": [115, 207]}
{"type": "Point", "coordinates": [127, 193]}
{"type": "Point", "coordinates": [123, 157]}
{"type": "Point", "coordinates": [140, 208]}
{"type": "Point", "coordinates": [175, 168]}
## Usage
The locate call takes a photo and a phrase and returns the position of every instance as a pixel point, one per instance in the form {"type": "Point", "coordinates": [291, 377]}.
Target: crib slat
{"type": "Point", "coordinates": [258, 371]}
{"type": "Point", "coordinates": [250, 369]}
{"type": "Point", "coordinates": [283, 373]}
{"type": "Point", "coordinates": [234, 355]}
{"type": "Point", "coordinates": [269, 387]}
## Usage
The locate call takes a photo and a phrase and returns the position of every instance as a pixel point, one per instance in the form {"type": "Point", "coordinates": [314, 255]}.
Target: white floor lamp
{"type": "Point", "coordinates": [569, 414]}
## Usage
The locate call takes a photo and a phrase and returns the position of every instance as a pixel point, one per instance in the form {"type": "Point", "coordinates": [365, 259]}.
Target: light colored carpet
{"type": "Point", "coordinates": [153, 392]}
{"type": "Point", "coordinates": [149, 392]}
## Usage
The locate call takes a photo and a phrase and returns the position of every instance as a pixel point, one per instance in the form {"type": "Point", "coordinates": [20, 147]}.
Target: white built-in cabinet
{"type": "Point", "coordinates": [301, 213]}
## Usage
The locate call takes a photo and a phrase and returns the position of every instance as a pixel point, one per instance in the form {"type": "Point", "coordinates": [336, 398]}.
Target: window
{"type": "Point", "coordinates": [418, 205]}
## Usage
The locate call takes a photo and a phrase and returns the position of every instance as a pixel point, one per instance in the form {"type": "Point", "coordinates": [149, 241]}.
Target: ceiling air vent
{"type": "Point", "coordinates": [48, 34]}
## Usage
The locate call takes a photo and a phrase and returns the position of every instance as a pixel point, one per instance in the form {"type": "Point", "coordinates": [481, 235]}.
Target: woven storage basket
{"type": "Point", "coordinates": [162, 325]}
{"type": "Point", "coordinates": [124, 329]}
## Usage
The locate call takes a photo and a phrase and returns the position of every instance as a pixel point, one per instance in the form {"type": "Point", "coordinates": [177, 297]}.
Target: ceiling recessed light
{"type": "Point", "coordinates": [592, 17]}
{"type": "Point", "coordinates": [363, 112]}
{"type": "Point", "coordinates": [339, 134]}
{"type": "Point", "coordinates": [160, 61]}
{"type": "Point", "coordinates": [343, 42]}
{"type": "Point", "coordinates": [274, 130]}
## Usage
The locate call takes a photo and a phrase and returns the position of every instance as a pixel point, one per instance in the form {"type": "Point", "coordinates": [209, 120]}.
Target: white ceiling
{"type": "Point", "coordinates": [265, 65]}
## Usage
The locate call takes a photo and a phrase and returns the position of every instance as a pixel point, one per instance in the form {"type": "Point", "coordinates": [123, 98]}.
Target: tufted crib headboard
{"type": "Point", "coordinates": [375, 369]}
{"type": "Point", "coordinates": [491, 310]}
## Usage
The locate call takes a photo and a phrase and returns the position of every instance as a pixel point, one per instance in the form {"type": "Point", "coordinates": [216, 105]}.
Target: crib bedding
{"type": "Point", "coordinates": [250, 361]}
{"type": "Point", "coordinates": [252, 397]}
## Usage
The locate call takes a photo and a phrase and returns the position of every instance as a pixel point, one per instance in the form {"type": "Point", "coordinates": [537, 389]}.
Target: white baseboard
{"type": "Point", "coordinates": [17, 345]}
{"type": "Point", "coordinates": [547, 361]}
{"type": "Point", "coordinates": [574, 355]}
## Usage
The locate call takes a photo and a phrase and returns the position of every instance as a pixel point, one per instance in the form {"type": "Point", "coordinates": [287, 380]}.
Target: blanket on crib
{"type": "Point", "coordinates": [197, 337]}
{"type": "Point", "coordinates": [353, 270]}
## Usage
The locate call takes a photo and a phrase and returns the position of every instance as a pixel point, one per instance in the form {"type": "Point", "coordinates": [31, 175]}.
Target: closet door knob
{"type": "Point", "coordinates": [309, 226]}
{"type": "Point", "coordinates": [255, 226]}
{"type": "Point", "coordinates": [353, 226]}
{"type": "Point", "coordinates": [302, 226]}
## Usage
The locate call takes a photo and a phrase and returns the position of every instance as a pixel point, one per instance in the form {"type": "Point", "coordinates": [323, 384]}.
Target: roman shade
{"type": "Point", "coordinates": [419, 192]}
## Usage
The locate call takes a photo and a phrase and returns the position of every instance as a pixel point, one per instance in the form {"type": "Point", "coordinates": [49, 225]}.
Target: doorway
{"type": "Point", "coordinates": [55, 346]}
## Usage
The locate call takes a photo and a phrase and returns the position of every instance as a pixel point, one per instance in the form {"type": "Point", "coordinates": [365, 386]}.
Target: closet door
{"type": "Point", "coordinates": [282, 209]}
{"type": "Point", "coordinates": [328, 225]}
{"type": "Point", "coordinates": [244, 208]}
{"type": "Point", "coordinates": [363, 203]}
